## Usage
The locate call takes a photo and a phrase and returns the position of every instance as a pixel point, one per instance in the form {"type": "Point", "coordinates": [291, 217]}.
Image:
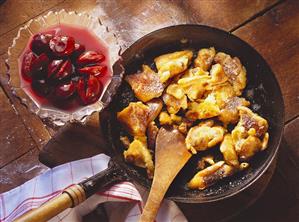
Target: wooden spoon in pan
{"type": "Point", "coordinates": [170, 156]}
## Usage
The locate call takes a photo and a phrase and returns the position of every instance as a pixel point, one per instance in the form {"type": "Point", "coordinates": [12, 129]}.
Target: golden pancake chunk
{"type": "Point", "coordinates": [196, 71]}
{"type": "Point", "coordinates": [194, 86]}
{"type": "Point", "coordinates": [211, 175]}
{"type": "Point", "coordinates": [206, 109]}
{"type": "Point", "coordinates": [172, 64]}
{"type": "Point", "coordinates": [205, 58]}
{"type": "Point", "coordinates": [146, 85]}
{"type": "Point", "coordinates": [223, 93]}
{"type": "Point", "coordinates": [173, 104]}
{"type": "Point", "coordinates": [175, 90]}
{"type": "Point", "coordinates": [155, 106]}
{"type": "Point", "coordinates": [218, 75]}
{"type": "Point", "coordinates": [251, 120]}
{"type": "Point", "coordinates": [250, 135]}
{"type": "Point", "coordinates": [234, 70]}
{"type": "Point", "coordinates": [137, 115]}
{"type": "Point", "coordinates": [135, 118]}
{"type": "Point", "coordinates": [166, 119]}
{"type": "Point", "coordinates": [227, 148]}
{"type": "Point", "coordinates": [230, 113]}
{"type": "Point", "coordinates": [204, 136]}
{"type": "Point", "coordinates": [139, 155]}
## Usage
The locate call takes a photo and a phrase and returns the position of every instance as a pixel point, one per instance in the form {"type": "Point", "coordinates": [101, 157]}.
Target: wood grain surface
{"type": "Point", "coordinates": [268, 25]}
{"type": "Point", "coordinates": [20, 170]}
{"type": "Point", "coordinates": [17, 141]}
{"type": "Point", "coordinates": [275, 36]}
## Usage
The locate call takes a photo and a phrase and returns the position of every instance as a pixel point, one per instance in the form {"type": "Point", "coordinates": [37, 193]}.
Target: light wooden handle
{"type": "Point", "coordinates": [153, 202]}
{"type": "Point", "coordinates": [70, 197]}
{"type": "Point", "coordinates": [155, 197]}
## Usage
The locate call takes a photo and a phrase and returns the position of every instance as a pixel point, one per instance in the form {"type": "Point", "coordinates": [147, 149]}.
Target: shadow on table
{"type": "Point", "coordinates": [73, 142]}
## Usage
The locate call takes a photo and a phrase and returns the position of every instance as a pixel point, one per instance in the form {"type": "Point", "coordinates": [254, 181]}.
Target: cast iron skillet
{"type": "Point", "coordinates": [262, 91]}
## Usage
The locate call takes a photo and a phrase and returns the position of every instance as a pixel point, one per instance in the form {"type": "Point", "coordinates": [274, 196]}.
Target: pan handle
{"type": "Point", "coordinates": [112, 175]}
{"type": "Point", "coordinates": [76, 194]}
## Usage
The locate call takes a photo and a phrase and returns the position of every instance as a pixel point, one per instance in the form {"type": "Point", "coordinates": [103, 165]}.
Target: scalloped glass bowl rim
{"type": "Point", "coordinates": [59, 116]}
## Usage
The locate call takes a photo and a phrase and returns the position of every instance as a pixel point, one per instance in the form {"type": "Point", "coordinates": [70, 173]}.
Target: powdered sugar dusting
{"type": "Point", "coordinates": [140, 18]}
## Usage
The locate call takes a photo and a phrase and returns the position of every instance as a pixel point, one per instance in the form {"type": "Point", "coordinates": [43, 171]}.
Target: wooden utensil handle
{"type": "Point", "coordinates": [153, 202]}
{"type": "Point", "coordinates": [76, 194]}
{"type": "Point", "coordinates": [70, 197]}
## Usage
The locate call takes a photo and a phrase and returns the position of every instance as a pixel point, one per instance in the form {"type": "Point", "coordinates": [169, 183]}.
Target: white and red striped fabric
{"type": "Point", "coordinates": [34, 192]}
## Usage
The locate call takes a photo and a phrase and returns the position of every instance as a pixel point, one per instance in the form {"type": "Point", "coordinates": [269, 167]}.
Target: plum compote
{"type": "Point", "coordinates": [65, 65]}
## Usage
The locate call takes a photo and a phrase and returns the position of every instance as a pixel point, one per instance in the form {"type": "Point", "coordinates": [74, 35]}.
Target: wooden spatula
{"type": "Point", "coordinates": [170, 157]}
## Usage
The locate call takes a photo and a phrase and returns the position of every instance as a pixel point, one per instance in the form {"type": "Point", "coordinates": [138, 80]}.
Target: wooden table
{"type": "Point", "coordinates": [268, 25]}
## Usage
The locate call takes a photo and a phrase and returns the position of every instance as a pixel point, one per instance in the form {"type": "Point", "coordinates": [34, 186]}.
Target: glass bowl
{"type": "Point", "coordinates": [47, 110]}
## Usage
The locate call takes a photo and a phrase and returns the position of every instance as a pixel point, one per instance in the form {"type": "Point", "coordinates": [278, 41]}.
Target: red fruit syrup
{"type": "Point", "coordinates": [65, 67]}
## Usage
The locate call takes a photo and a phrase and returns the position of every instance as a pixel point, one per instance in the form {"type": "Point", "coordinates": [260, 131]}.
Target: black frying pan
{"type": "Point", "coordinates": [262, 91]}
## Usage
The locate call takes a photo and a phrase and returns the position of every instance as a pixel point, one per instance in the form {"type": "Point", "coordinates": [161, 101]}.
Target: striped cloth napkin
{"type": "Point", "coordinates": [123, 196]}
